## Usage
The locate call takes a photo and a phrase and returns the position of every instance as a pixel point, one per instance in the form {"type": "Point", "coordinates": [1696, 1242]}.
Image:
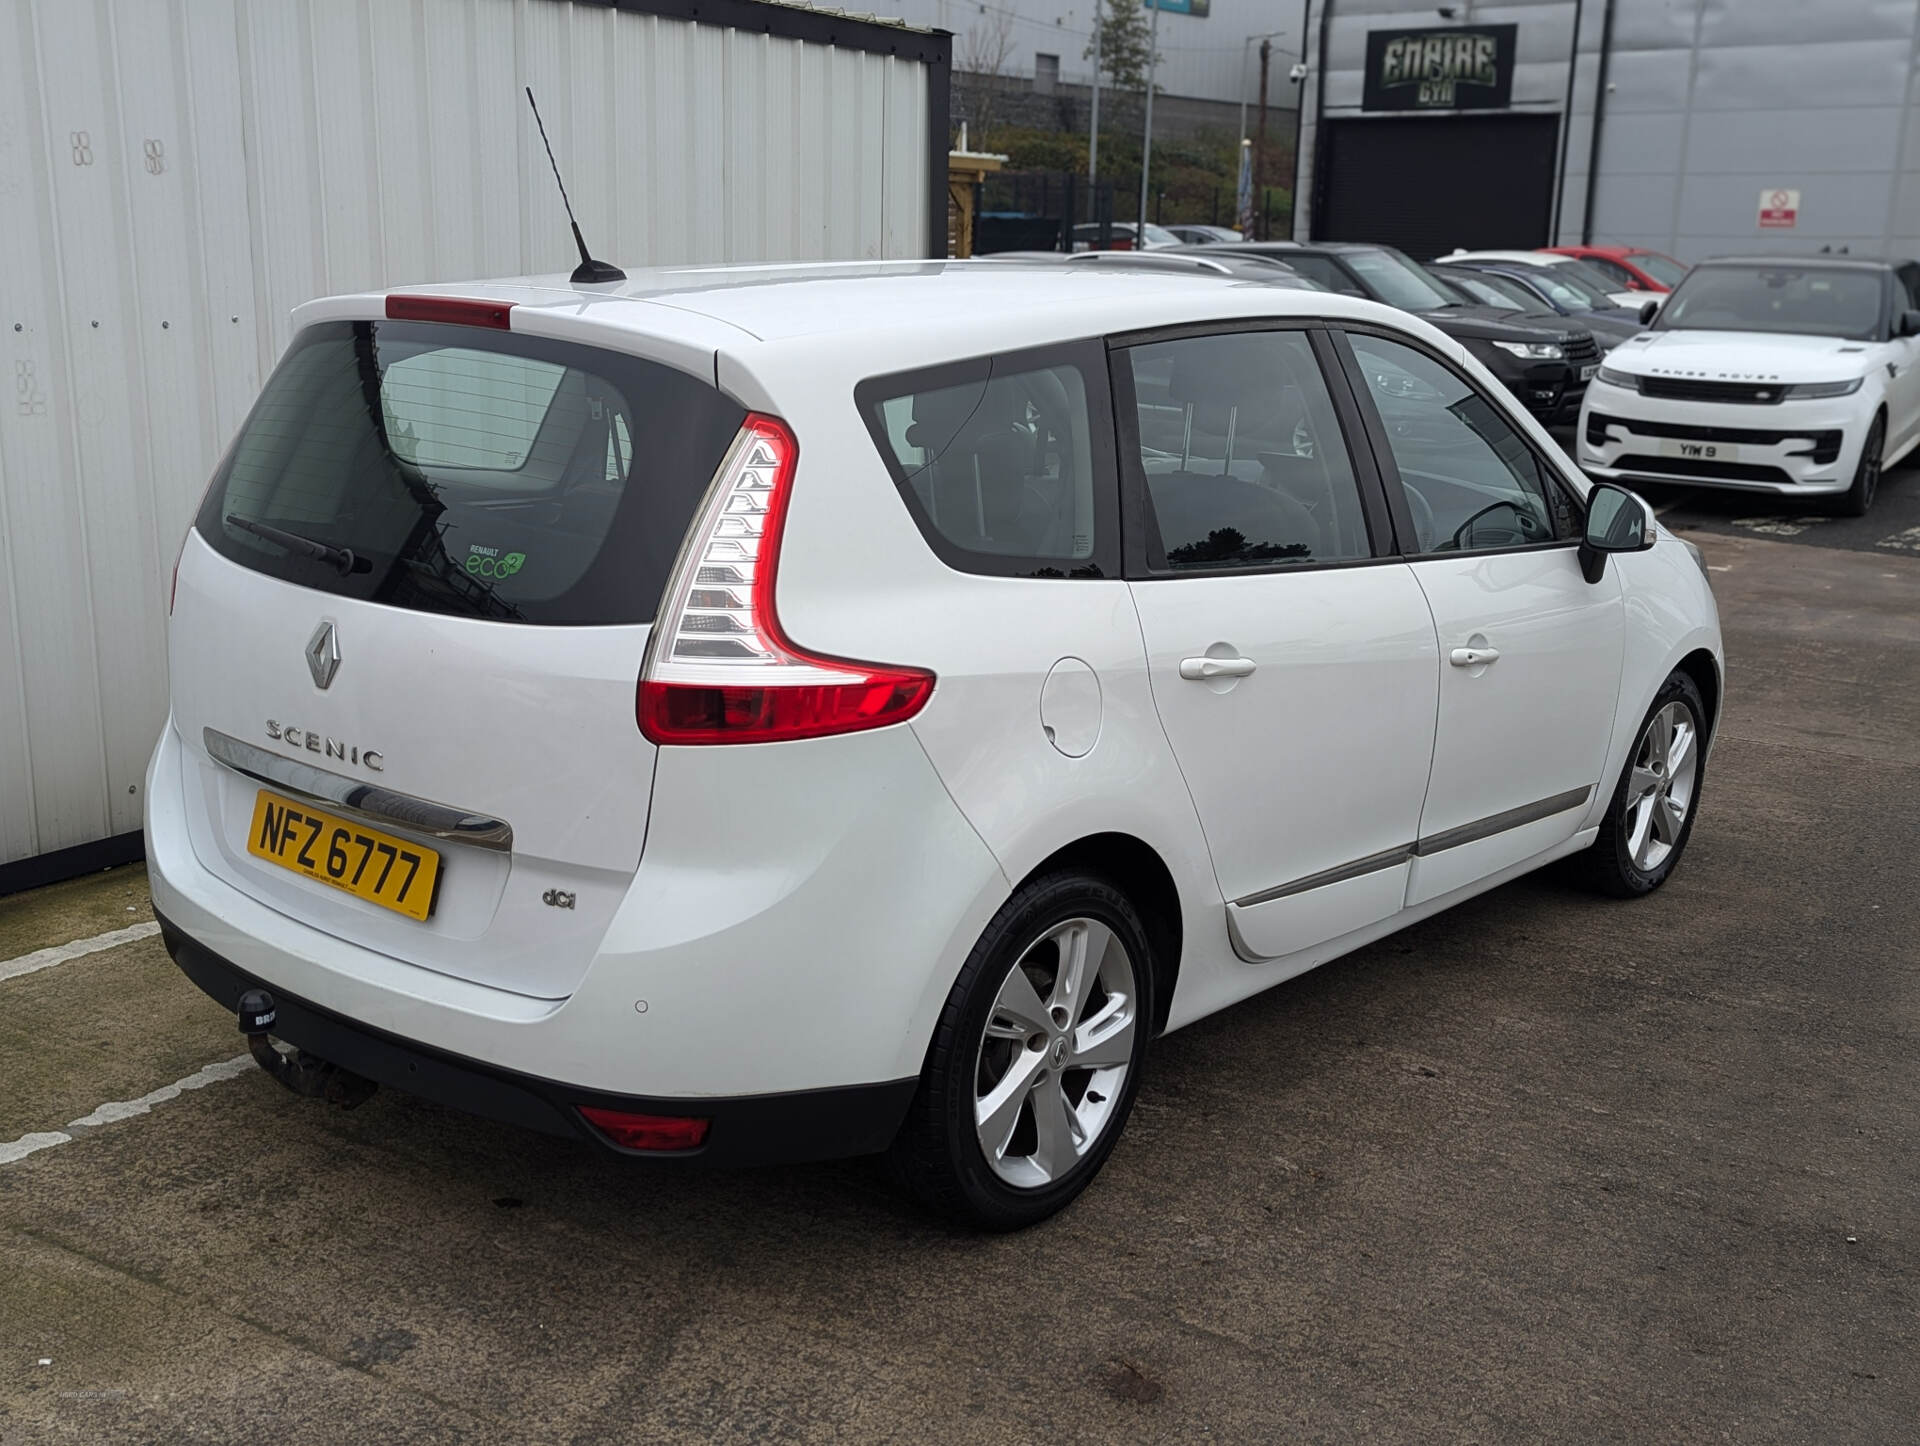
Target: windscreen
{"type": "Point", "coordinates": [1589, 277]}
{"type": "Point", "coordinates": [452, 469]}
{"type": "Point", "coordinates": [1569, 289]}
{"type": "Point", "coordinates": [1485, 291]}
{"type": "Point", "coordinates": [1803, 300]}
{"type": "Point", "coordinates": [1396, 280]}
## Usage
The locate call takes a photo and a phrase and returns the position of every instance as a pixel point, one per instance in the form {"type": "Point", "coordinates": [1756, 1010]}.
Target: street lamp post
{"type": "Point", "coordinates": [1246, 50]}
{"type": "Point", "coordinates": [1093, 128]}
{"type": "Point", "coordinates": [1146, 140]}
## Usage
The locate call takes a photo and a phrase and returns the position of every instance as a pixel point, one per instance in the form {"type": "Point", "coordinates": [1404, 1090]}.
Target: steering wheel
{"type": "Point", "coordinates": [1526, 527]}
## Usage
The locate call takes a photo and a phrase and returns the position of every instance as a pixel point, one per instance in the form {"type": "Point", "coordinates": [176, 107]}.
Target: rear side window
{"type": "Point", "coordinates": [477, 473]}
{"type": "Point", "coordinates": [1242, 455]}
{"type": "Point", "coordinates": [1005, 462]}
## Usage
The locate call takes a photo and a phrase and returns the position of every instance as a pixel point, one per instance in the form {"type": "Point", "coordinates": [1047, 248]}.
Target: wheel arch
{"type": "Point", "coordinates": [1701, 666]}
{"type": "Point", "coordinates": [1137, 870]}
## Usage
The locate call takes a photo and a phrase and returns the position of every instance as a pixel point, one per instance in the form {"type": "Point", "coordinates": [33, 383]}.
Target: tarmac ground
{"type": "Point", "coordinates": [1547, 1167]}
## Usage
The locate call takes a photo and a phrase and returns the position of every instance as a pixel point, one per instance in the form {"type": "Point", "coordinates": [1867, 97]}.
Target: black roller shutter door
{"type": "Point", "coordinates": [1430, 183]}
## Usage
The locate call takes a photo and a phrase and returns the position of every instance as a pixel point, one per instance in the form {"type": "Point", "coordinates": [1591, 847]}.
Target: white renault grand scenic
{"type": "Point", "coordinates": [752, 714]}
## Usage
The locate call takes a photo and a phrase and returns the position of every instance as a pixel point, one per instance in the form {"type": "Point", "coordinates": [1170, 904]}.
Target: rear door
{"type": "Point", "coordinates": [1530, 650]}
{"type": "Point", "coordinates": [1293, 664]}
{"type": "Point", "coordinates": [411, 617]}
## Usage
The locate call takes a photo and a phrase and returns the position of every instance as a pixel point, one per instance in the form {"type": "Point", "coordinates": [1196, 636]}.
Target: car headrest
{"type": "Point", "coordinates": [1228, 371]}
{"type": "Point", "coordinates": [939, 414]}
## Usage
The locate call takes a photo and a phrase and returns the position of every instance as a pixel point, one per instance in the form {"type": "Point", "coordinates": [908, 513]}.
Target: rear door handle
{"type": "Point", "coordinates": [1198, 670]}
{"type": "Point", "coordinates": [1473, 657]}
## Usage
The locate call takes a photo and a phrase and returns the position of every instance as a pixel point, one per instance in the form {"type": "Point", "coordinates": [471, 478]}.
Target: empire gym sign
{"type": "Point", "coordinates": [1447, 69]}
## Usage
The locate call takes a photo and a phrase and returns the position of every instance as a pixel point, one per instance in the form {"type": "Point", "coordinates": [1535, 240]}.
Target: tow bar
{"type": "Point", "coordinates": [303, 1073]}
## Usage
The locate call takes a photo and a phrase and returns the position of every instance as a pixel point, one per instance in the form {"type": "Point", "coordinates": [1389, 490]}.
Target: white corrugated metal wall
{"type": "Point", "coordinates": [176, 175]}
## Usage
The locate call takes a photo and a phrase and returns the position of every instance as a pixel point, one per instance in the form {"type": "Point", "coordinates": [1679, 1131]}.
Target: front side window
{"type": "Point", "coordinates": [1242, 456]}
{"type": "Point", "coordinates": [1471, 481]}
{"type": "Point", "coordinates": [1801, 300]}
{"type": "Point", "coordinates": [484, 474]}
{"type": "Point", "coordinates": [1907, 297]}
{"type": "Point", "coordinates": [1004, 462]}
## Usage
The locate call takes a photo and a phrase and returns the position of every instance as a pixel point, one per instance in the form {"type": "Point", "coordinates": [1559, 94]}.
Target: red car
{"type": "Point", "coordinates": [1633, 267]}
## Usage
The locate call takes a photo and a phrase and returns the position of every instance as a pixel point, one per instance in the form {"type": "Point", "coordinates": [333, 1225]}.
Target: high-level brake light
{"type": "Point", "coordinates": [720, 669]}
{"type": "Point", "coordinates": [451, 310]}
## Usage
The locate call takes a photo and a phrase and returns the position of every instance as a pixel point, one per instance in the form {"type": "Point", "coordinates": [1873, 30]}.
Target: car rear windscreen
{"type": "Point", "coordinates": [479, 473]}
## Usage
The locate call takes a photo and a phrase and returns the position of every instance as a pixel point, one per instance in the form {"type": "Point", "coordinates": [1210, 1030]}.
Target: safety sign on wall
{"type": "Point", "coordinates": [1779, 209]}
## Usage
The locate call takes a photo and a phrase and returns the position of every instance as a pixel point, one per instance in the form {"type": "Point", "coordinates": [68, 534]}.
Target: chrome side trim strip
{"type": "Point", "coordinates": [1500, 822]}
{"type": "Point", "coordinates": [364, 800]}
{"type": "Point", "coordinates": [1465, 834]}
{"type": "Point", "coordinates": [1385, 859]}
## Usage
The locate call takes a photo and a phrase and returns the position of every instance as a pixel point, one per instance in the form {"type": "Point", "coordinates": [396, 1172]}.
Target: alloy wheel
{"type": "Point", "coordinates": [1660, 789]}
{"type": "Point", "coordinates": [1054, 1057]}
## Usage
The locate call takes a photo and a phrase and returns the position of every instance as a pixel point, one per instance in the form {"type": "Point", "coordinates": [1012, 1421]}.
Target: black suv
{"type": "Point", "coordinates": [1546, 363]}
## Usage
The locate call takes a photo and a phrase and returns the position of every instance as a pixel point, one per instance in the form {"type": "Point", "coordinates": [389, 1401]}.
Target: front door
{"type": "Point", "coordinates": [1296, 674]}
{"type": "Point", "coordinates": [1530, 651]}
{"type": "Point", "coordinates": [1903, 384]}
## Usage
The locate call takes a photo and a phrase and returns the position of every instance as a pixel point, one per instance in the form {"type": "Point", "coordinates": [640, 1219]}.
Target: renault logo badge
{"type": "Point", "coordinates": [323, 655]}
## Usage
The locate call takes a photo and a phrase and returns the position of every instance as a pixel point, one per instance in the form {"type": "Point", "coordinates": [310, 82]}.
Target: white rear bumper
{"type": "Point", "coordinates": [790, 938]}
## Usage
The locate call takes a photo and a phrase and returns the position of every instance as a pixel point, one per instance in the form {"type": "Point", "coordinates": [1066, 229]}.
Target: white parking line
{"type": "Point", "coordinates": [1908, 541]}
{"type": "Point", "coordinates": [114, 1111]}
{"type": "Point", "coordinates": [24, 1146]}
{"type": "Point", "coordinates": [1675, 502]}
{"type": "Point", "coordinates": [78, 949]}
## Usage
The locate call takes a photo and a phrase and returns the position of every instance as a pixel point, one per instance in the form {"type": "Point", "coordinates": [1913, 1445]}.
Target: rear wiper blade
{"type": "Point", "coordinates": [343, 558]}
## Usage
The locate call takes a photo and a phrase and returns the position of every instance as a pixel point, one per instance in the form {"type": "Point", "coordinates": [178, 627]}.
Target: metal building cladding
{"type": "Point", "coordinates": [1659, 123]}
{"type": "Point", "coordinates": [176, 175]}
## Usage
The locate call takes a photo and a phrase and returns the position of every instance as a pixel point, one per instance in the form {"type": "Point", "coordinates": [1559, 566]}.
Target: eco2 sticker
{"type": "Point", "coordinates": [487, 562]}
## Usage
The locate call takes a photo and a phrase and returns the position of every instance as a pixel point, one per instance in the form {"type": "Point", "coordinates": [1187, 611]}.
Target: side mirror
{"type": "Point", "coordinates": [1648, 311]}
{"type": "Point", "coordinates": [1909, 323]}
{"type": "Point", "coordinates": [1617, 521]}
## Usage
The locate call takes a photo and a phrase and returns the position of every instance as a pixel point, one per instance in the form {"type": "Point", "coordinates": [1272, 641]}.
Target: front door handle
{"type": "Point", "coordinates": [1199, 670]}
{"type": "Point", "coordinates": [1473, 657]}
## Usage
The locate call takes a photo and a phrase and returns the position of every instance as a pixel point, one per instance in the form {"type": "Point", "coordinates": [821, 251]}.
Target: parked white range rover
{"type": "Point", "coordinates": [1794, 376]}
{"type": "Point", "coordinates": [756, 714]}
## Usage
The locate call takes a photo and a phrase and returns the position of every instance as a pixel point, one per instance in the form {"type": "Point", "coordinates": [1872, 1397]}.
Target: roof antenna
{"type": "Point", "coordinates": [589, 270]}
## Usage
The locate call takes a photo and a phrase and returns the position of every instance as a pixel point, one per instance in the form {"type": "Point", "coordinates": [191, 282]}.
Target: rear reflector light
{"type": "Point", "coordinates": [452, 310]}
{"type": "Point", "coordinates": [720, 669]}
{"type": "Point", "coordinates": [647, 1132]}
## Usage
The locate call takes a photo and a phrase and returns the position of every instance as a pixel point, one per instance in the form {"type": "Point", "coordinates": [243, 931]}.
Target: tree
{"type": "Point", "coordinates": [988, 47]}
{"type": "Point", "coordinates": [1125, 43]}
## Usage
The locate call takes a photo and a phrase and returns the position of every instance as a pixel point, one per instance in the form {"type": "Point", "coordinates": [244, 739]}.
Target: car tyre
{"type": "Point", "coordinates": [1855, 501]}
{"type": "Point", "coordinates": [1650, 817]}
{"type": "Point", "coordinates": [1036, 1057]}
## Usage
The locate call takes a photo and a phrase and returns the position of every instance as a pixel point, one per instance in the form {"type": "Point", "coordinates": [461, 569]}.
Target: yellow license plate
{"type": "Point", "coordinates": [364, 862]}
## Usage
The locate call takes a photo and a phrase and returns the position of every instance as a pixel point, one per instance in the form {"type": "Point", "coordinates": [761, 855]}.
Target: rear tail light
{"type": "Point", "coordinates": [647, 1132]}
{"type": "Point", "coordinates": [720, 669]}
